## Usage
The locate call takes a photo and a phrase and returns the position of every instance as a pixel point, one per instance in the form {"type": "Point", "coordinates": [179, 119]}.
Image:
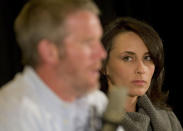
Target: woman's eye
{"type": "Point", "coordinates": [148, 58]}
{"type": "Point", "coordinates": [127, 58]}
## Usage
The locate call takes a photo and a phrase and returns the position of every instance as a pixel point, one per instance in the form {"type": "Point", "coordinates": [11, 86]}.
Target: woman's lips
{"type": "Point", "coordinates": [139, 82]}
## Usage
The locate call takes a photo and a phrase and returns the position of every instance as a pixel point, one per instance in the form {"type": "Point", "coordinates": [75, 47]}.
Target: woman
{"type": "Point", "coordinates": [136, 60]}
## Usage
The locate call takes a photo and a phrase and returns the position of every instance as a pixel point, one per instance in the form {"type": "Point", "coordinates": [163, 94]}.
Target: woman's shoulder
{"type": "Point", "coordinates": [170, 116]}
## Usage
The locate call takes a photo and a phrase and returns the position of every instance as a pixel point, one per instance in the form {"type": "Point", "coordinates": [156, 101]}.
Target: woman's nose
{"type": "Point", "coordinates": [140, 69]}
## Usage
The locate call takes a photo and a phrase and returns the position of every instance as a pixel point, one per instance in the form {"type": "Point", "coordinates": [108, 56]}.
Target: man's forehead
{"type": "Point", "coordinates": [81, 18]}
{"type": "Point", "coordinates": [83, 22]}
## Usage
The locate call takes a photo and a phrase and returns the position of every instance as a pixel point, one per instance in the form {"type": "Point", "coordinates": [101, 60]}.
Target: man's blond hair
{"type": "Point", "coordinates": [44, 19]}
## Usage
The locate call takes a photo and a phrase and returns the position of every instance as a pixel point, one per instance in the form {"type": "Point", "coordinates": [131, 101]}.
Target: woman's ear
{"type": "Point", "coordinates": [106, 70]}
{"type": "Point", "coordinates": [103, 71]}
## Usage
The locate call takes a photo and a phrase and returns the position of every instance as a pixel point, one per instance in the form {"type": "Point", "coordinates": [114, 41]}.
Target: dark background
{"type": "Point", "coordinates": [163, 15]}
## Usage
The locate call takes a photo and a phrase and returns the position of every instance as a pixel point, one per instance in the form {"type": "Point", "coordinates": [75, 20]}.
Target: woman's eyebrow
{"type": "Point", "coordinates": [128, 52]}
{"type": "Point", "coordinates": [147, 53]}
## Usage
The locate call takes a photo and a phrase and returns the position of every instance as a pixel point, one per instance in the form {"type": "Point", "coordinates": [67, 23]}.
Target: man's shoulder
{"type": "Point", "coordinates": [97, 96]}
{"type": "Point", "coordinates": [15, 106]}
{"type": "Point", "coordinates": [17, 86]}
{"type": "Point", "coordinates": [13, 85]}
{"type": "Point", "coordinates": [99, 100]}
{"type": "Point", "coordinates": [9, 90]}
{"type": "Point", "coordinates": [13, 92]}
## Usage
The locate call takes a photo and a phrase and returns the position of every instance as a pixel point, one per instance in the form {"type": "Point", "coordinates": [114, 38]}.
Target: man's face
{"type": "Point", "coordinates": [83, 51]}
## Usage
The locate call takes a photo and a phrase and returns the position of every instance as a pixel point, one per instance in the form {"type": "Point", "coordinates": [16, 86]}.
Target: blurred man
{"type": "Point", "coordinates": [62, 53]}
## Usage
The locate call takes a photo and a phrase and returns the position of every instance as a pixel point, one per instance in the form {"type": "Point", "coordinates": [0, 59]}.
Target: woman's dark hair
{"type": "Point", "coordinates": [153, 43]}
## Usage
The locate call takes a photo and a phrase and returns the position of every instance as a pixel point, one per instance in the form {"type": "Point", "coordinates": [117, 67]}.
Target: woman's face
{"type": "Point", "coordinates": [130, 64]}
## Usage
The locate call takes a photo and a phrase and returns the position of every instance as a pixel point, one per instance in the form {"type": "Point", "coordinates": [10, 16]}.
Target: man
{"type": "Point", "coordinates": [62, 53]}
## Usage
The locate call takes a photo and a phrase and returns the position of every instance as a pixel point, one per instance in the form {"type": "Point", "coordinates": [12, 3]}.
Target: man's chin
{"type": "Point", "coordinates": [89, 90]}
{"type": "Point", "coordinates": [93, 88]}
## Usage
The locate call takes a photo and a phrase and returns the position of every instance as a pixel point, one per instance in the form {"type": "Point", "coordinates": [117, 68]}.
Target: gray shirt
{"type": "Point", "coordinates": [27, 104]}
{"type": "Point", "coordinates": [150, 118]}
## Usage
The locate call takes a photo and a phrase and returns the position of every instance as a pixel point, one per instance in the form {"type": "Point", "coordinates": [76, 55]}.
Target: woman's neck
{"type": "Point", "coordinates": [131, 103]}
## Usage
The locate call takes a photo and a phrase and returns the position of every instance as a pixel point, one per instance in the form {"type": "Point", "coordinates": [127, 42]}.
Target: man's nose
{"type": "Point", "coordinates": [100, 52]}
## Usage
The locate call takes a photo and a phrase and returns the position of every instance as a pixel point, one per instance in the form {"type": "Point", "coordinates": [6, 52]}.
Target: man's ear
{"type": "Point", "coordinates": [48, 52]}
